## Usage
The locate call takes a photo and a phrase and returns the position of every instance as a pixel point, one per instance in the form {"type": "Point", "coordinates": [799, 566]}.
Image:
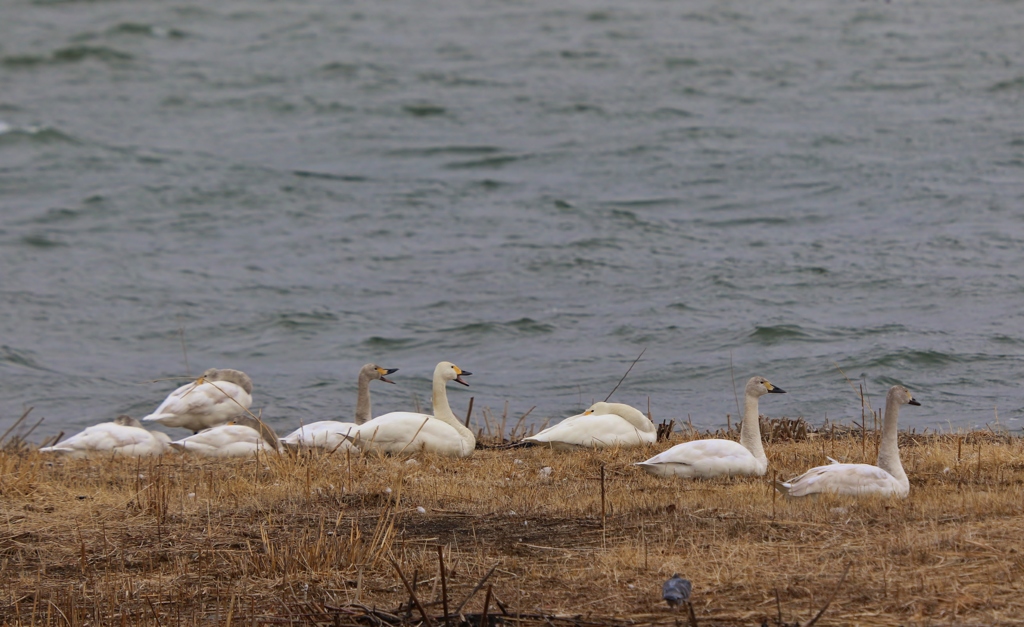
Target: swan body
{"type": "Point", "coordinates": [409, 432]}
{"type": "Point", "coordinates": [124, 436]}
{"type": "Point", "coordinates": [886, 479]}
{"type": "Point", "coordinates": [603, 425]}
{"type": "Point", "coordinates": [330, 434]}
{"type": "Point", "coordinates": [706, 459]}
{"type": "Point", "coordinates": [325, 434]}
{"type": "Point", "coordinates": [215, 398]}
{"type": "Point", "coordinates": [243, 437]}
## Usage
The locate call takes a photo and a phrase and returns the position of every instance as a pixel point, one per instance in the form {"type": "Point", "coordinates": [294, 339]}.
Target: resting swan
{"type": "Point", "coordinates": [244, 436]}
{"type": "Point", "coordinates": [215, 398]}
{"type": "Point", "coordinates": [714, 458]}
{"type": "Point", "coordinates": [885, 479]}
{"type": "Point", "coordinates": [124, 436]}
{"type": "Point", "coordinates": [330, 434]}
{"type": "Point", "coordinates": [407, 432]}
{"type": "Point", "coordinates": [603, 425]}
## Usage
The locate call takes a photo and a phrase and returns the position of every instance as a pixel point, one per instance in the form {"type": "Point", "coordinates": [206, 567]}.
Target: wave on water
{"type": "Point", "coordinates": [383, 344]}
{"type": "Point", "coordinates": [146, 30]}
{"type": "Point", "coordinates": [911, 359]}
{"type": "Point", "coordinates": [16, 357]}
{"type": "Point", "coordinates": [485, 163]}
{"type": "Point", "coordinates": [431, 151]}
{"type": "Point", "coordinates": [424, 109]}
{"type": "Point", "coordinates": [778, 334]}
{"type": "Point", "coordinates": [70, 54]}
{"type": "Point", "coordinates": [11, 135]}
{"type": "Point", "coordinates": [522, 326]}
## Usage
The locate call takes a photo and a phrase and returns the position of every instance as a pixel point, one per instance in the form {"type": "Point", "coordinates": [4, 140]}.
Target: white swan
{"type": "Point", "coordinates": [885, 479]}
{"type": "Point", "coordinates": [714, 458]}
{"type": "Point", "coordinates": [244, 436]}
{"type": "Point", "coordinates": [215, 398]}
{"type": "Point", "coordinates": [603, 425]}
{"type": "Point", "coordinates": [407, 432]}
{"type": "Point", "coordinates": [330, 434]}
{"type": "Point", "coordinates": [124, 436]}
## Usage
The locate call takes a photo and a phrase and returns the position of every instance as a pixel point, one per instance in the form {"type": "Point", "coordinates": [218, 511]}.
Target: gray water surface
{"type": "Point", "coordinates": [536, 191]}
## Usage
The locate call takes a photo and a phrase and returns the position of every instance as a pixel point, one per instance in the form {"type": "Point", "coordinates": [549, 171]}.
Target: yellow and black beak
{"type": "Point", "coordinates": [774, 389]}
{"type": "Point", "coordinates": [385, 371]}
{"type": "Point", "coordinates": [913, 401]}
{"type": "Point", "coordinates": [458, 376]}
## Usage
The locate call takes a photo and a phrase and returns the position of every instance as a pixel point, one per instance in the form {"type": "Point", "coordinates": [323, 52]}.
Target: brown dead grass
{"type": "Point", "coordinates": [181, 541]}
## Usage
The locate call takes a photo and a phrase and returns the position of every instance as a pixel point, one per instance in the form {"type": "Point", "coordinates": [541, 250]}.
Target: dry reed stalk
{"type": "Point", "coordinates": [626, 374]}
{"type": "Point", "coordinates": [469, 410]}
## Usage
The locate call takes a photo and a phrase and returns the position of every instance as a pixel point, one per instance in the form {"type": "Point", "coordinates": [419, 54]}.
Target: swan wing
{"type": "Point", "coordinates": [109, 437]}
{"type": "Point", "coordinates": [593, 430]}
{"type": "Point", "coordinates": [215, 400]}
{"type": "Point", "coordinates": [848, 479]}
{"type": "Point", "coordinates": [705, 459]}
{"type": "Point", "coordinates": [328, 434]}
{"type": "Point", "coordinates": [225, 441]}
{"type": "Point", "coordinates": [408, 432]}
{"type": "Point", "coordinates": [220, 437]}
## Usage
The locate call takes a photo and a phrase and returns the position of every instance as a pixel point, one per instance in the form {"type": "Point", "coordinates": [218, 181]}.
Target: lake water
{"type": "Point", "coordinates": [536, 191]}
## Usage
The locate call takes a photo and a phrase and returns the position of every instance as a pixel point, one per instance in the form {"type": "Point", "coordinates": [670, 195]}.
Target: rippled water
{"type": "Point", "coordinates": [535, 192]}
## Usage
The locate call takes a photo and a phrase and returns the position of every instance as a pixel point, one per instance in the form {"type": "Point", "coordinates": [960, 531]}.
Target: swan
{"type": "Point", "coordinates": [408, 432]}
{"type": "Point", "coordinates": [123, 436]}
{"type": "Point", "coordinates": [215, 398]}
{"type": "Point", "coordinates": [714, 458]}
{"type": "Point", "coordinates": [329, 434]}
{"type": "Point", "coordinates": [602, 425]}
{"type": "Point", "coordinates": [885, 479]}
{"type": "Point", "coordinates": [244, 436]}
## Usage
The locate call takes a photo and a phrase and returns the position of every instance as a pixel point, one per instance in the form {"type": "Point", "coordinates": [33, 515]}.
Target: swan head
{"type": "Point", "coordinates": [901, 396]}
{"type": "Point", "coordinates": [127, 421]}
{"type": "Point", "coordinates": [451, 372]}
{"type": "Point", "coordinates": [759, 386]}
{"type": "Point", "coordinates": [237, 377]}
{"type": "Point", "coordinates": [599, 408]}
{"type": "Point", "coordinates": [373, 371]}
{"type": "Point", "coordinates": [268, 434]}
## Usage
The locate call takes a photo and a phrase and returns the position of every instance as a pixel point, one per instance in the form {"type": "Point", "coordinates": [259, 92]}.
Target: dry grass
{"type": "Point", "coordinates": [303, 540]}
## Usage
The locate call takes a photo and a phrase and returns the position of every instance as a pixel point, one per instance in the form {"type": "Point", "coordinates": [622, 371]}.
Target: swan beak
{"type": "Point", "coordinates": [384, 371]}
{"type": "Point", "coordinates": [774, 389]}
{"type": "Point", "coordinates": [458, 376]}
{"type": "Point", "coordinates": [912, 401]}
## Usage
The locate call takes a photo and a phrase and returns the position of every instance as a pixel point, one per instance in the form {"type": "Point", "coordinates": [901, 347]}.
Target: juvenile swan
{"type": "Point", "coordinates": [215, 398]}
{"type": "Point", "coordinates": [124, 436]}
{"type": "Point", "coordinates": [885, 479]}
{"type": "Point", "coordinates": [407, 432]}
{"type": "Point", "coordinates": [714, 458]}
{"type": "Point", "coordinates": [330, 434]}
{"type": "Point", "coordinates": [244, 436]}
{"type": "Point", "coordinates": [601, 426]}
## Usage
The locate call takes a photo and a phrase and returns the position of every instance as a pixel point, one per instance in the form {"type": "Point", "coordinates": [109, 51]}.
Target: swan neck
{"type": "Point", "coordinates": [635, 417]}
{"type": "Point", "coordinates": [889, 447]}
{"type": "Point", "coordinates": [750, 429]}
{"type": "Point", "coordinates": [363, 412]}
{"type": "Point", "coordinates": [443, 411]}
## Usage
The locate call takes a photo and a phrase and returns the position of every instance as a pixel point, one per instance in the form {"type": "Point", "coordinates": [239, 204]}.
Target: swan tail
{"type": "Point", "coordinates": [784, 488]}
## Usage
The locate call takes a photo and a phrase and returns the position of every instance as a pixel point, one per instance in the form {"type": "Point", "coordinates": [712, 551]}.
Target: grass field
{"type": "Point", "coordinates": [321, 539]}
